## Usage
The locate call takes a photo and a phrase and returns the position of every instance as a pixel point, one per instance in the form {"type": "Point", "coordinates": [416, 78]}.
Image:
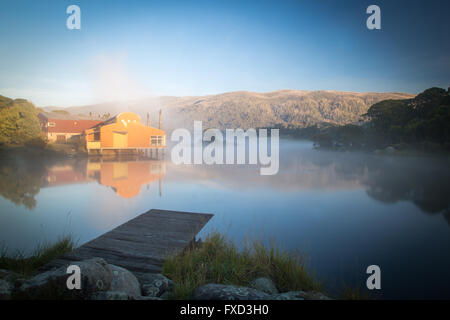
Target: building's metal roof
{"type": "Point", "coordinates": [64, 116]}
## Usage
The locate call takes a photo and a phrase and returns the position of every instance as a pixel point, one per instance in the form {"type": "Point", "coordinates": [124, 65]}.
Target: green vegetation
{"type": "Point", "coordinates": [18, 122]}
{"type": "Point", "coordinates": [217, 260]}
{"type": "Point", "coordinates": [350, 293]}
{"type": "Point", "coordinates": [424, 118]}
{"type": "Point", "coordinates": [20, 132]}
{"type": "Point", "coordinates": [43, 254]}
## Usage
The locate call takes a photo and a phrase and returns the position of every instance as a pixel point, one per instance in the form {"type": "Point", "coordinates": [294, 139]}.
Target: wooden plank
{"type": "Point", "coordinates": [142, 244]}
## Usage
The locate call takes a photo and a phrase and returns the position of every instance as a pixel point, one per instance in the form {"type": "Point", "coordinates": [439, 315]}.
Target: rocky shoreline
{"type": "Point", "coordinates": [103, 281]}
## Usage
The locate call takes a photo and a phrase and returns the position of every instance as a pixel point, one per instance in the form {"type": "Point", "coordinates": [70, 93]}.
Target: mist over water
{"type": "Point", "coordinates": [345, 210]}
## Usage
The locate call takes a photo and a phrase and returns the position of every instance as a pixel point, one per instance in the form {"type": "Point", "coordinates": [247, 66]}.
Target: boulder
{"type": "Point", "coordinates": [124, 281]}
{"type": "Point", "coordinates": [155, 284]}
{"type": "Point", "coordinates": [227, 292]}
{"type": "Point", "coordinates": [7, 275]}
{"type": "Point", "coordinates": [96, 275]}
{"type": "Point", "coordinates": [9, 281]}
{"type": "Point", "coordinates": [299, 295]}
{"type": "Point", "coordinates": [111, 295]}
{"type": "Point", "coordinates": [313, 295]}
{"type": "Point", "coordinates": [164, 296]}
{"type": "Point", "coordinates": [265, 285]}
{"type": "Point", "coordinates": [6, 288]}
{"type": "Point", "coordinates": [291, 295]}
{"type": "Point", "coordinates": [147, 298]}
{"type": "Point", "coordinates": [390, 149]}
{"type": "Point", "coordinates": [119, 295]}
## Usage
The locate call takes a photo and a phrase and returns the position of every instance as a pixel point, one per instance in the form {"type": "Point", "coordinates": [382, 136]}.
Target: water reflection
{"type": "Point", "coordinates": [126, 177]}
{"type": "Point", "coordinates": [422, 181]}
{"type": "Point", "coordinates": [21, 180]}
{"type": "Point", "coordinates": [346, 210]}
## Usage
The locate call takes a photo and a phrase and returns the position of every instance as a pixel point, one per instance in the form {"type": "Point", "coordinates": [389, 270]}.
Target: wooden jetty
{"type": "Point", "coordinates": [141, 244]}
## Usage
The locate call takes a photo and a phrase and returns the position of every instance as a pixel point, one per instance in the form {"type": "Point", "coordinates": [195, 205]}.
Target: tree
{"type": "Point", "coordinates": [18, 121]}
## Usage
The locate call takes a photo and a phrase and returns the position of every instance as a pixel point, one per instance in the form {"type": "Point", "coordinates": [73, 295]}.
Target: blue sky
{"type": "Point", "coordinates": [131, 48]}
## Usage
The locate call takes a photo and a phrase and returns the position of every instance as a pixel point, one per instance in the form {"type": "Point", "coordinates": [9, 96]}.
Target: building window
{"type": "Point", "coordinates": [156, 140]}
{"type": "Point", "coordinates": [51, 124]}
{"type": "Point", "coordinates": [97, 136]}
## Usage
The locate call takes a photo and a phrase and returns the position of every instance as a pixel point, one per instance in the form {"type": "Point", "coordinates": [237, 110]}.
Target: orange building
{"type": "Point", "coordinates": [124, 132]}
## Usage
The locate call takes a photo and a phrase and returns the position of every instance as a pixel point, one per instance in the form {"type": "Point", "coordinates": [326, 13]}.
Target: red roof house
{"type": "Point", "coordinates": [60, 127]}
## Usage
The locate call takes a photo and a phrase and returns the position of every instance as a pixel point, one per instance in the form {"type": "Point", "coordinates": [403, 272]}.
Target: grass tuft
{"type": "Point", "coordinates": [354, 293]}
{"type": "Point", "coordinates": [217, 260]}
{"type": "Point", "coordinates": [43, 254]}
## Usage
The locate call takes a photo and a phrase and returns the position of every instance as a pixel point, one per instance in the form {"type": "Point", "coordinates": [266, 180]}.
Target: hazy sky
{"type": "Point", "coordinates": [138, 48]}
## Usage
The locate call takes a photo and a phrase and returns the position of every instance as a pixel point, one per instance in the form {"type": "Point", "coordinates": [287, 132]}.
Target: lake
{"type": "Point", "coordinates": [345, 210]}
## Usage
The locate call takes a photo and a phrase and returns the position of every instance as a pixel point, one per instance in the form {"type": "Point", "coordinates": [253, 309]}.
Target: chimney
{"type": "Point", "coordinates": [148, 119]}
{"type": "Point", "coordinates": [159, 118]}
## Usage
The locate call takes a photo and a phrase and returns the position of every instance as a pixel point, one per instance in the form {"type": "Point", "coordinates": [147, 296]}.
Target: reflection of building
{"type": "Point", "coordinates": [124, 132]}
{"type": "Point", "coordinates": [126, 178]}
{"type": "Point", "coordinates": [60, 127]}
{"type": "Point", "coordinates": [64, 174]}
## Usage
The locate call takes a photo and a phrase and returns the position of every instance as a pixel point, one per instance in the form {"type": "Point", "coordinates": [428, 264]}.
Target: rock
{"type": "Point", "coordinates": [96, 275]}
{"type": "Point", "coordinates": [227, 292]}
{"type": "Point", "coordinates": [6, 288]}
{"type": "Point", "coordinates": [111, 295]}
{"type": "Point", "coordinates": [390, 149]}
{"type": "Point", "coordinates": [124, 281]}
{"type": "Point", "coordinates": [12, 277]}
{"type": "Point", "coordinates": [119, 295]}
{"type": "Point", "coordinates": [265, 285]}
{"type": "Point", "coordinates": [313, 295]}
{"type": "Point", "coordinates": [165, 296]}
{"type": "Point", "coordinates": [155, 284]}
{"type": "Point", "coordinates": [6, 274]}
{"type": "Point", "coordinates": [299, 295]}
{"type": "Point", "coordinates": [147, 298]}
{"type": "Point", "coordinates": [291, 295]}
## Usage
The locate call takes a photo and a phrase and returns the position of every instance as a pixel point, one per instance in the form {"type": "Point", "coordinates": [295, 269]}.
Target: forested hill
{"type": "Point", "coordinates": [423, 118]}
{"type": "Point", "coordinates": [420, 123]}
{"type": "Point", "coordinates": [18, 121]}
{"type": "Point", "coordinates": [243, 109]}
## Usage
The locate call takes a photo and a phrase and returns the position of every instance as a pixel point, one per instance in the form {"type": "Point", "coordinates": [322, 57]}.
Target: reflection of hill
{"type": "Point", "coordinates": [21, 180]}
{"type": "Point", "coordinates": [422, 181]}
{"type": "Point", "coordinates": [425, 182]}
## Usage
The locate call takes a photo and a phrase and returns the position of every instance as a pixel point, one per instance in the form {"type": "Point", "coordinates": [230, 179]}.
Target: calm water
{"type": "Point", "coordinates": [345, 210]}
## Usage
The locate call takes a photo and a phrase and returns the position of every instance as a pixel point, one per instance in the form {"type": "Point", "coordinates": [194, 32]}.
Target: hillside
{"type": "Point", "coordinates": [423, 118]}
{"type": "Point", "coordinates": [419, 123]}
{"type": "Point", "coordinates": [243, 109]}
